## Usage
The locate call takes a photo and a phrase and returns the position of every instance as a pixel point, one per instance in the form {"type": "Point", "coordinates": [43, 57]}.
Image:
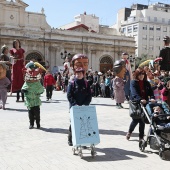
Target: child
{"type": "Point", "coordinates": [49, 83]}
{"type": "Point", "coordinates": [102, 85]}
{"type": "Point", "coordinates": [4, 83]}
{"type": "Point", "coordinates": [157, 111]}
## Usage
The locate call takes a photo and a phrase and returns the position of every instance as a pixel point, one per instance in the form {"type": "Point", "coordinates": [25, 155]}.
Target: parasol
{"type": "Point", "coordinates": [145, 63]}
{"type": "Point", "coordinates": [158, 59]}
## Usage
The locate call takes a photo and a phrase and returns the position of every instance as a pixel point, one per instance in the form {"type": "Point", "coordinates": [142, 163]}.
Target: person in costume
{"type": "Point", "coordinates": [165, 55]}
{"type": "Point", "coordinates": [128, 75]}
{"type": "Point", "coordinates": [80, 61]}
{"type": "Point", "coordinates": [5, 59]}
{"type": "Point", "coordinates": [79, 92]}
{"type": "Point", "coordinates": [118, 82]}
{"type": "Point", "coordinates": [4, 83]}
{"type": "Point", "coordinates": [17, 79]}
{"type": "Point", "coordinates": [32, 89]}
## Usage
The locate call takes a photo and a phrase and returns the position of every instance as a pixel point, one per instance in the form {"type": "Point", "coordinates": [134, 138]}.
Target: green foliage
{"type": "Point", "coordinates": [141, 59]}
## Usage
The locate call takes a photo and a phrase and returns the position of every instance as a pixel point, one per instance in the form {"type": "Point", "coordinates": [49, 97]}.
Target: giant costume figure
{"type": "Point", "coordinates": [32, 89]}
{"type": "Point", "coordinates": [17, 55]}
{"type": "Point", "coordinates": [165, 55]}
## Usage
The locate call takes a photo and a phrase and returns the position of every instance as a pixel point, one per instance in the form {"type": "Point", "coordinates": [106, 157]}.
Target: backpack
{"type": "Point", "coordinates": [73, 84]}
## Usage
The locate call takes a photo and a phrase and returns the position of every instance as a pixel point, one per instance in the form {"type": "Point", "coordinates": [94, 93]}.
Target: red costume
{"type": "Point", "coordinates": [17, 78]}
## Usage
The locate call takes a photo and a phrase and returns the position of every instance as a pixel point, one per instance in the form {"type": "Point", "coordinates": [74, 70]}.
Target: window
{"type": "Point", "coordinates": [158, 47]}
{"type": "Point", "coordinates": [158, 38]}
{"type": "Point", "coordinates": [123, 30]}
{"type": "Point", "coordinates": [135, 28]}
{"type": "Point", "coordinates": [155, 19]}
{"type": "Point", "coordinates": [164, 29]}
{"type": "Point", "coordinates": [151, 28]}
{"type": "Point", "coordinates": [163, 20]}
{"type": "Point", "coordinates": [151, 38]}
{"type": "Point", "coordinates": [158, 28]}
{"type": "Point", "coordinates": [144, 37]}
{"type": "Point", "coordinates": [145, 27]}
{"type": "Point", "coordinates": [129, 29]}
{"type": "Point", "coordinates": [144, 47]}
{"type": "Point", "coordinates": [150, 47]}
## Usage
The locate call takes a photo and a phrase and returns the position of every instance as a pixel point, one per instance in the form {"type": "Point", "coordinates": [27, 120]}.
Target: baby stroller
{"type": "Point", "coordinates": [158, 137]}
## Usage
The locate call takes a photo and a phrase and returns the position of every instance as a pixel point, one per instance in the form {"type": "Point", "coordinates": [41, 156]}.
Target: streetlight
{"type": "Point", "coordinates": [65, 54]}
{"type": "Point", "coordinates": [132, 60]}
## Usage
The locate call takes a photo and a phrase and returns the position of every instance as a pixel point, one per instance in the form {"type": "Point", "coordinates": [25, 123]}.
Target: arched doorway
{"type": "Point", "coordinates": [106, 63]}
{"type": "Point", "coordinates": [34, 55]}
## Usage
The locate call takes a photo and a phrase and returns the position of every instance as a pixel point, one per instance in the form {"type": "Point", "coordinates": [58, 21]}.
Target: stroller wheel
{"type": "Point", "coordinates": [142, 145]}
{"type": "Point", "coordinates": [161, 154]}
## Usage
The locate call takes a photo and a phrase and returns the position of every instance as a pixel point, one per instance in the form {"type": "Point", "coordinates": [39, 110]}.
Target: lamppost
{"type": "Point", "coordinates": [132, 60]}
{"type": "Point", "coordinates": [65, 55]}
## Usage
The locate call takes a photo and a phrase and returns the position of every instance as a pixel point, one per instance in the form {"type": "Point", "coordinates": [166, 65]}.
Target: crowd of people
{"type": "Point", "coordinates": [142, 85]}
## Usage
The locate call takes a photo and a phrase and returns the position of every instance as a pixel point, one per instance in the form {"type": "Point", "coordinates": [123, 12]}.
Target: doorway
{"type": "Point", "coordinates": [106, 63]}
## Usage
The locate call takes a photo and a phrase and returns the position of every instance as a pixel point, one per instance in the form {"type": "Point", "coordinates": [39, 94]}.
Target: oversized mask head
{"type": "Point", "coordinates": [33, 71]}
{"type": "Point", "coordinates": [3, 69]}
{"type": "Point", "coordinates": [80, 61]}
{"type": "Point", "coordinates": [119, 68]}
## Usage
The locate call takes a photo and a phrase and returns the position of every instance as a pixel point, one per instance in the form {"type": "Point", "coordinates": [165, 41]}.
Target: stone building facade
{"type": "Point", "coordinates": [44, 43]}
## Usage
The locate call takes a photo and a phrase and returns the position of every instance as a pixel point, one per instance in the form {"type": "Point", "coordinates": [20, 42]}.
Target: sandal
{"type": "Point", "coordinates": [128, 136]}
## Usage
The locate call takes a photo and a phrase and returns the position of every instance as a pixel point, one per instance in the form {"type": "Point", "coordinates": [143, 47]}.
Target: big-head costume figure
{"type": "Point", "coordinates": [78, 92]}
{"type": "Point", "coordinates": [32, 89]}
{"type": "Point", "coordinates": [128, 75]}
{"type": "Point", "coordinates": [119, 69]}
{"type": "Point", "coordinates": [4, 83]}
{"type": "Point", "coordinates": [80, 61]}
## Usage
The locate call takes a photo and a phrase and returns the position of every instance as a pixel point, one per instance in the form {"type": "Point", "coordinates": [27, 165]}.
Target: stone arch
{"type": "Point", "coordinates": [36, 55]}
{"type": "Point", "coordinates": [106, 63]}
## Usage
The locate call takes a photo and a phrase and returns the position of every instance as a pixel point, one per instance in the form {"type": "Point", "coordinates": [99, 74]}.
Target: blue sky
{"type": "Point", "coordinates": [61, 12]}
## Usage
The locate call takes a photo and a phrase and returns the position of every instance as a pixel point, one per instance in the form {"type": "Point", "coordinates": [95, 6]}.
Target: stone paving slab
{"type": "Point", "coordinates": [47, 149]}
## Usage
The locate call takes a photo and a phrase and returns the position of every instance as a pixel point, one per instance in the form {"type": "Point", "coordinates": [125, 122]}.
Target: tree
{"type": "Point", "coordinates": [141, 59]}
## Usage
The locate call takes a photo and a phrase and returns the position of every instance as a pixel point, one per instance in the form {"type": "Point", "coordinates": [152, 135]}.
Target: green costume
{"type": "Point", "coordinates": [33, 90]}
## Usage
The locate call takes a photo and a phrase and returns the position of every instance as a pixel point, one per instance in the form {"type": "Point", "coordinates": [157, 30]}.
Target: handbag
{"type": "Point", "coordinates": [135, 110]}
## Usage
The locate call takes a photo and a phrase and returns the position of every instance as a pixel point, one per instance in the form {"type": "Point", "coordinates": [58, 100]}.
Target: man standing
{"type": "Point", "coordinates": [165, 55]}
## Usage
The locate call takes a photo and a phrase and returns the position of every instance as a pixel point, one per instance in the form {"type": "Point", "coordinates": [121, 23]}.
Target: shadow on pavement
{"type": "Point", "coordinates": [53, 101]}
{"type": "Point", "coordinates": [103, 104]}
{"type": "Point", "coordinates": [19, 110]}
{"type": "Point", "coordinates": [113, 154]}
{"type": "Point", "coordinates": [116, 132]}
{"type": "Point", "coordinates": [54, 130]}
{"type": "Point", "coordinates": [166, 154]}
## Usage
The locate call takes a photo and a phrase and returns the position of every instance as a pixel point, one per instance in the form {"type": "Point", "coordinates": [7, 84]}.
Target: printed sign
{"type": "Point", "coordinates": [84, 126]}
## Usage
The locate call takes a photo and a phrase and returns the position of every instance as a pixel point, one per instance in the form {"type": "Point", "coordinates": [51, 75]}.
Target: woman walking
{"type": "Point", "coordinates": [141, 91]}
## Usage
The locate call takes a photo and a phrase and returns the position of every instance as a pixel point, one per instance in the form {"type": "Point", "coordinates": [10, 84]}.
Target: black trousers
{"type": "Point", "coordinates": [49, 91]}
{"type": "Point", "coordinates": [141, 127]}
{"type": "Point", "coordinates": [34, 114]}
{"type": "Point", "coordinates": [18, 95]}
{"type": "Point", "coordinates": [107, 91]}
{"type": "Point", "coordinates": [69, 134]}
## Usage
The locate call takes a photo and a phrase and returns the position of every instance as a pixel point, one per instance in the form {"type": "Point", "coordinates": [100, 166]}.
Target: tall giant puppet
{"type": "Point", "coordinates": [17, 79]}
{"type": "Point", "coordinates": [128, 75]}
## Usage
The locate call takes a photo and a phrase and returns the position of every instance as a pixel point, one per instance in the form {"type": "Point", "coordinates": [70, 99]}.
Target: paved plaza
{"type": "Point", "coordinates": [47, 148]}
